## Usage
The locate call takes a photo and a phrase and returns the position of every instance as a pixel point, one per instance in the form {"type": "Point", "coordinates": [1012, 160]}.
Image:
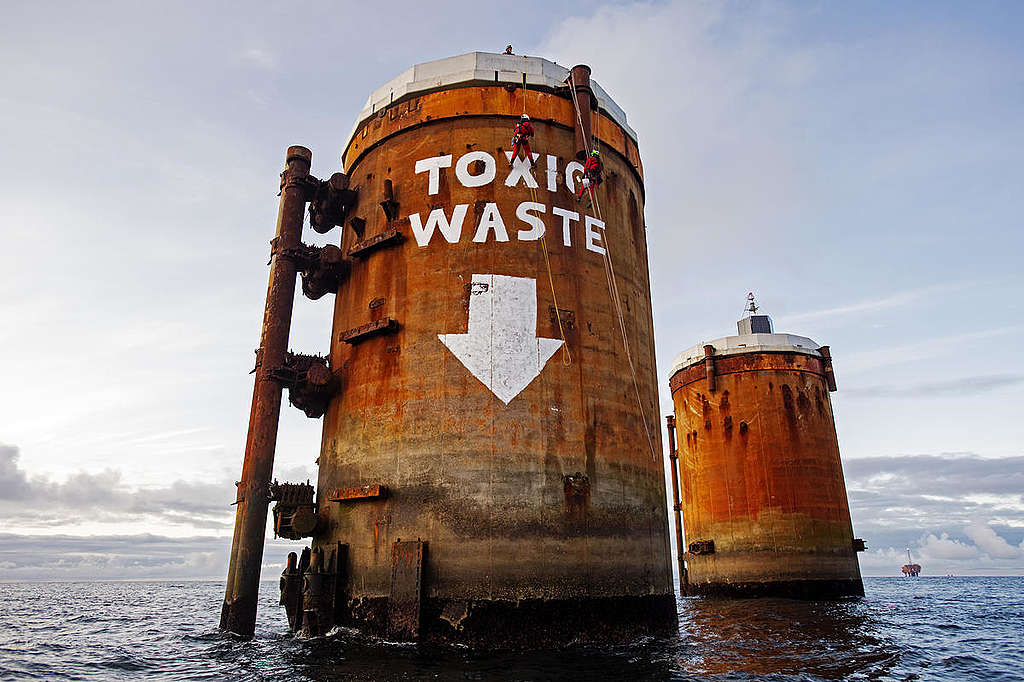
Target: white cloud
{"type": "Point", "coordinates": [944, 547]}
{"type": "Point", "coordinates": [990, 542]}
{"type": "Point", "coordinates": [259, 57]}
{"type": "Point", "coordinates": [899, 299]}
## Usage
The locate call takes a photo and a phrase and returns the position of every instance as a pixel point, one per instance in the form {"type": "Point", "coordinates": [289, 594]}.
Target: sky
{"type": "Point", "coordinates": [854, 164]}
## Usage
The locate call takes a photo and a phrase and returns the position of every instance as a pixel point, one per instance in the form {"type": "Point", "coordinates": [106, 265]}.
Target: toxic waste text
{"type": "Point", "coordinates": [492, 225]}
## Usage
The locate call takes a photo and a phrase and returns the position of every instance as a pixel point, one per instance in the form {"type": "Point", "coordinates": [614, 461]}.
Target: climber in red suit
{"type": "Point", "coordinates": [521, 139]}
{"type": "Point", "coordinates": [591, 175]}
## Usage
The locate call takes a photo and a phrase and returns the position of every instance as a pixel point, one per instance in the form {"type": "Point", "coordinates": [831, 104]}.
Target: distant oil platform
{"type": "Point", "coordinates": [910, 569]}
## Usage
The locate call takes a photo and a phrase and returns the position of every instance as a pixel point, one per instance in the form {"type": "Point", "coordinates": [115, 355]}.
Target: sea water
{"type": "Point", "coordinates": [904, 629]}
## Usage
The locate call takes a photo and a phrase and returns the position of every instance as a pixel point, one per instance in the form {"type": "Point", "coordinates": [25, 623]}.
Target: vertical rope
{"type": "Point", "coordinates": [566, 354]}
{"type": "Point", "coordinates": [613, 287]}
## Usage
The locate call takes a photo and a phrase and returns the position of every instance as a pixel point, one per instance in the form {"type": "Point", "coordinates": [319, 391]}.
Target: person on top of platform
{"type": "Point", "coordinates": [591, 176]}
{"type": "Point", "coordinates": [521, 139]}
{"type": "Point", "coordinates": [508, 49]}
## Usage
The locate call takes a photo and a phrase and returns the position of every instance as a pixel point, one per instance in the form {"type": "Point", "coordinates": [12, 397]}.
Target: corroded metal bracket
{"type": "Point", "coordinates": [331, 203]}
{"type": "Point", "coordinates": [291, 587]}
{"type": "Point", "coordinates": [376, 328]}
{"type": "Point", "coordinates": [295, 512]}
{"type": "Point", "coordinates": [358, 226]}
{"type": "Point", "coordinates": [859, 545]}
{"type": "Point", "coordinates": [406, 590]}
{"type": "Point", "coordinates": [389, 205]}
{"type": "Point", "coordinates": [322, 267]}
{"type": "Point", "coordinates": [310, 382]}
{"type": "Point", "coordinates": [567, 317]}
{"type": "Point", "coordinates": [576, 485]}
{"type": "Point", "coordinates": [359, 492]}
{"type": "Point", "coordinates": [699, 547]}
{"type": "Point", "coordinates": [365, 247]}
{"type": "Point", "coordinates": [312, 588]}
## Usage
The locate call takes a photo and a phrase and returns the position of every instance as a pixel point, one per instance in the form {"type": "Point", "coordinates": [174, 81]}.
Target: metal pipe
{"type": "Point", "coordinates": [581, 80]}
{"type": "Point", "coordinates": [677, 503]}
{"type": "Point", "coordinates": [709, 367]}
{"type": "Point", "coordinates": [826, 365]}
{"type": "Point", "coordinates": [238, 614]}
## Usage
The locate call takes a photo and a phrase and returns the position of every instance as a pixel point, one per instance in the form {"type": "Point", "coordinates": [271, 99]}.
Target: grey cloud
{"type": "Point", "coordinates": [951, 474]}
{"type": "Point", "coordinates": [104, 497]}
{"type": "Point", "coordinates": [13, 482]}
{"type": "Point", "coordinates": [959, 513]}
{"type": "Point", "coordinates": [65, 557]}
{"type": "Point", "coordinates": [957, 387]}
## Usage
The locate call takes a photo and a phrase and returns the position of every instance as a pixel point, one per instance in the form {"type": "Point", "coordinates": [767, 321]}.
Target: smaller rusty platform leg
{"type": "Point", "coordinates": [238, 614]}
{"type": "Point", "coordinates": [406, 590]}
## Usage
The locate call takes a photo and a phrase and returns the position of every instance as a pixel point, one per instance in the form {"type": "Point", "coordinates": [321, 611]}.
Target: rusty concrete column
{"type": "Point", "coordinates": [580, 79]}
{"type": "Point", "coordinates": [677, 503]}
{"type": "Point", "coordinates": [238, 615]}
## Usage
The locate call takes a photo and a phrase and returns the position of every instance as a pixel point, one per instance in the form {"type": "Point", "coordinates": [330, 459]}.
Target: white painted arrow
{"type": "Point", "coordinates": [501, 348]}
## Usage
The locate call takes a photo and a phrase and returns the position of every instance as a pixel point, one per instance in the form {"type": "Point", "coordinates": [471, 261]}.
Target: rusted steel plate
{"type": "Point", "coordinates": [406, 588]}
{"type": "Point", "coordinates": [367, 246]}
{"type": "Point", "coordinates": [376, 328]}
{"type": "Point", "coordinates": [358, 492]}
{"type": "Point", "coordinates": [748, 362]}
{"type": "Point", "coordinates": [494, 101]}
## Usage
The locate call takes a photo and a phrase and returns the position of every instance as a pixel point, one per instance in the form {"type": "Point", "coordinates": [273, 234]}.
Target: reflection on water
{"type": "Point", "coordinates": [929, 628]}
{"type": "Point", "coordinates": [833, 640]}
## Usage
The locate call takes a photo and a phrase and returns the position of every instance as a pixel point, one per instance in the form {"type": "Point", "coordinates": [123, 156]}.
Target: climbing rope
{"type": "Point", "coordinates": [613, 287]}
{"type": "Point", "coordinates": [566, 354]}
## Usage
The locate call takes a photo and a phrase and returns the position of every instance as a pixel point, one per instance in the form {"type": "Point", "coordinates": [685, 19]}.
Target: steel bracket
{"type": "Point", "coordinates": [359, 492]}
{"type": "Point", "coordinates": [363, 332]}
{"type": "Point", "coordinates": [331, 202]}
{"type": "Point", "coordinates": [310, 382]}
{"type": "Point", "coordinates": [295, 512]}
{"type": "Point", "coordinates": [365, 247]}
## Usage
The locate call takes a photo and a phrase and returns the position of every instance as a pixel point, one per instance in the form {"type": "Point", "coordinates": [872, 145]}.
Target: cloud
{"type": "Point", "coordinates": [119, 557]}
{"type": "Point", "coordinates": [899, 299]}
{"type": "Point", "coordinates": [955, 511]}
{"type": "Point", "coordinates": [259, 57]}
{"type": "Point", "coordinates": [944, 547]}
{"type": "Point", "coordinates": [990, 542]}
{"type": "Point", "coordinates": [971, 385]}
{"type": "Point", "coordinates": [952, 475]}
{"type": "Point", "coordinates": [104, 498]}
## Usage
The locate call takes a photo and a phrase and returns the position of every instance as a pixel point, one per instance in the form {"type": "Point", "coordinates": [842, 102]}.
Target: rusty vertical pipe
{"type": "Point", "coordinates": [677, 503]}
{"type": "Point", "coordinates": [709, 367]}
{"type": "Point", "coordinates": [580, 80]}
{"type": "Point", "coordinates": [826, 365]}
{"type": "Point", "coordinates": [238, 614]}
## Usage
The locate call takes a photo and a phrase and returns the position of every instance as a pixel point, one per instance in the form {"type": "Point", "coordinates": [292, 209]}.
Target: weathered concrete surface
{"type": "Point", "coordinates": [761, 477]}
{"type": "Point", "coordinates": [482, 482]}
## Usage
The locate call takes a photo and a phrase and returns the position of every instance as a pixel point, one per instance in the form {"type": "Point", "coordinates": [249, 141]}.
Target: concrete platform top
{"type": "Point", "coordinates": [480, 68]}
{"type": "Point", "coordinates": [746, 343]}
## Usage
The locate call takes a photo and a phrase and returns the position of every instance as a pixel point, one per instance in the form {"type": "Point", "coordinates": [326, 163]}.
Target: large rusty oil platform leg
{"type": "Point", "coordinates": [238, 615]}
